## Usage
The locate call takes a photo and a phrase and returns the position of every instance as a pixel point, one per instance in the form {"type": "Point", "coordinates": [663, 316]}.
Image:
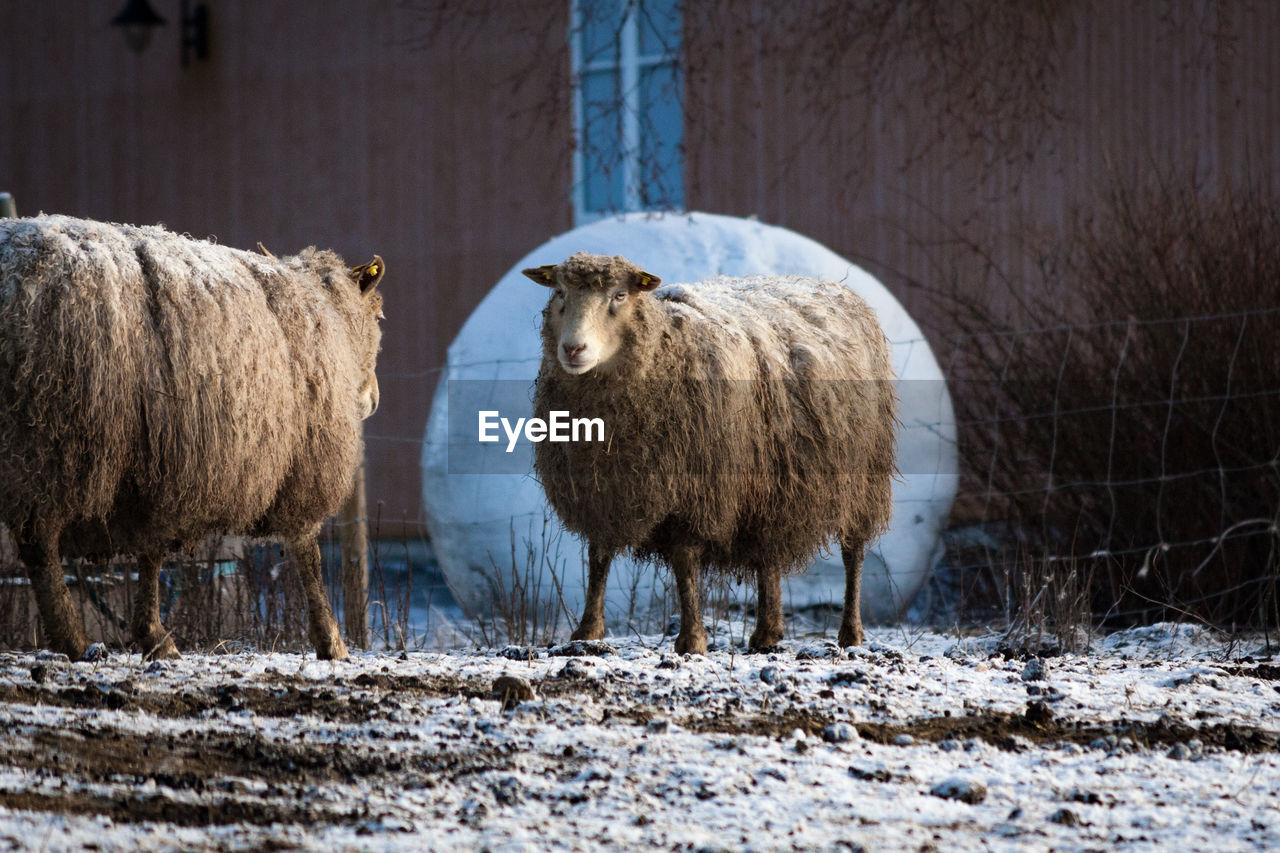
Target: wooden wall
{"type": "Point", "coordinates": [437, 134]}
{"type": "Point", "coordinates": [895, 172]}
{"type": "Point", "coordinates": [363, 127]}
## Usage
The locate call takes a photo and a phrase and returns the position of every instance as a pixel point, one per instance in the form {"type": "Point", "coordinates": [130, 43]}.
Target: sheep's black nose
{"type": "Point", "coordinates": [570, 350]}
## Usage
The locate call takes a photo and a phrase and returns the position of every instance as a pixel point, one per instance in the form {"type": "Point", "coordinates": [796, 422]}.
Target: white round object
{"type": "Point", "coordinates": [490, 524]}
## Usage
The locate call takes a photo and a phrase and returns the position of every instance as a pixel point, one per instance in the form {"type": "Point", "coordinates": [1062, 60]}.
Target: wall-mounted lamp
{"type": "Point", "coordinates": [139, 21]}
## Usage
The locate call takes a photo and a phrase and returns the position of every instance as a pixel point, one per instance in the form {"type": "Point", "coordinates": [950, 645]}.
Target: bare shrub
{"type": "Point", "coordinates": [252, 601]}
{"type": "Point", "coordinates": [527, 593]}
{"type": "Point", "coordinates": [1136, 430]}
{"type": "Point", "coordinates": [1046, 604]}
{"type": "Point", "coordinates": [391, 598]}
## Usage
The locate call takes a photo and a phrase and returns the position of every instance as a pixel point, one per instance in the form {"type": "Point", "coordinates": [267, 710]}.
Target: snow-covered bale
{"type": "Point", "coordinates": [156, 389]}
{"type": "Point", "coordinates": [475, 510]}
{"type": "Point", "coordinates": [745, 424]}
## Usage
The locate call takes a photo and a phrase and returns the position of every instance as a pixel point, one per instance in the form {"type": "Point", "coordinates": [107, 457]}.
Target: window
{"type": "Point", "coordinates": [629, 123]}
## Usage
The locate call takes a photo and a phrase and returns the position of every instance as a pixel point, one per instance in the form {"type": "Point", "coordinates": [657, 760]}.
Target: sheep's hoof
{"type": "Point", "coordinates": [339, 653]}
{"type": "Point", "coordinates": [589, 631]}
{"type": "Point", "coordinates": [154, 641]}
{"type": "Point", "coordinates": [326, 639]}
{"type": "Point", "coordinates": [851, 635]}
{"type": "Point", "coordinates": [691, 643]}
{"type": "Point", "coordinates": [71, 650]}
{"type": "Point", "coordinates": [162, 650]}
{"type": "Point", "coordinates": [764, 640]}
{"type": "Point", "coordinates": [330, 647]}
{"type": "Point", "coordinates": [71, 642]}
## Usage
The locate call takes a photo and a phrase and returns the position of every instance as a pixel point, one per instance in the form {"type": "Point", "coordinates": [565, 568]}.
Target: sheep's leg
{"type": "Point", "coordinates": [58, 614]}
{"type": "Point", "coordinates": [851, 617]}
{"type": "Point", "coordinates": [322, 628]}
{"type": "Point", "coordinates": [768, 632]}
{"type": "Point", "coordinates": [591, 627]}
{"type": "Point", "coordinates": [148, 632]}
{"type": "Point", "coordinates": [692, 639]}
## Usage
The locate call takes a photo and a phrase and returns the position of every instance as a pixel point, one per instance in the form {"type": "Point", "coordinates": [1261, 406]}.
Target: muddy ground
{"type": "Point", "coordinates": [626, 745]}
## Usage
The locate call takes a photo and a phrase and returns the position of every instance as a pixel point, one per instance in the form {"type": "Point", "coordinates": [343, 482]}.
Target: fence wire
{"type": "Point", "coordinates": [1145, 452]}
{"type": "Point", "coordinates": [1128, 443]}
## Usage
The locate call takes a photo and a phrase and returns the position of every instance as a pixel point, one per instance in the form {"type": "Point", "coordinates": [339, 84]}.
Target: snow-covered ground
{"type": "Point", "coordinates": [1161, 737]}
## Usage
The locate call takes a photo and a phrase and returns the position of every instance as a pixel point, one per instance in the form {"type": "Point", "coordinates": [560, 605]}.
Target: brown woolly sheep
{"type": "Point", "coordinates": [155, 389]}
{"type": "Point", "coordinates": [748, 422]}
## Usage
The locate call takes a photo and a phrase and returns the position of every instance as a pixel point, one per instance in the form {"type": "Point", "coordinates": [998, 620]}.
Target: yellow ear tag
{"type": "Point", "coordinates": [546, 276]}
{"type": "Point", "coordinates": [373, 269]}
{"type": "Point", "coordinates": [644, 280]}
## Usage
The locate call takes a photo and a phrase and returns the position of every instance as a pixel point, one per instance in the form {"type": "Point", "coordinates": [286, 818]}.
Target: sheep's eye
{"type": "Point", "coordinates": [559, 294]}
{"type": "Point", "coordinates": [620, 296]}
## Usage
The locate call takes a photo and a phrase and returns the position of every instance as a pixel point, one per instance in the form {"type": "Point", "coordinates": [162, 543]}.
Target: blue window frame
{"type": "Point", "coordinates": [629, 122]}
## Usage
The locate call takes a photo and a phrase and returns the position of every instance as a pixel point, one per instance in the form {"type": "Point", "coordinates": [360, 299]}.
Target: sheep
{"type": "Point", "coordinates": [155, 389]}
{"type": "Point", "coordinates": [748, 422]}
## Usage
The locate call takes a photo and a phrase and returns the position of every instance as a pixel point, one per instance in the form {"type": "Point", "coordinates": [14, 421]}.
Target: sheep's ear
{"type": "Point", "coordinates": [645, 280]}
{"type": "Point", "coordinates": [368, 275]}
{"type": "Point", "coordinates": [544, 275]}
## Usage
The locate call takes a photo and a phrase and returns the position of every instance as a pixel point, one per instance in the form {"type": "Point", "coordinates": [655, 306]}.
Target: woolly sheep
{"type": "Point", "coordinates": [155, 389]}
{"type": "Point", "coordinates": [748, 422]}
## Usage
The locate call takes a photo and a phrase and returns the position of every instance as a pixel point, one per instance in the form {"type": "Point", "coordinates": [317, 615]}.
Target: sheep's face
{"type": "Point", "coordinates": [589, 315]}
{"type": "Point", "coordinates": [369, 397]}
{"type": "Point", "coordinates": [366, 277]}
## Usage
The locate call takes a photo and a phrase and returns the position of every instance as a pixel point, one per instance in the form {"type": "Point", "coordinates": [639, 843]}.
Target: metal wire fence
{"type": "Point", "coordinates": [1141, 457]}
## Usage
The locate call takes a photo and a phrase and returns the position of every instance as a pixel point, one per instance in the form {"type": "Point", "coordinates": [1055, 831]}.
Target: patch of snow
{"type": "Point", "coordinates": [404, 752]}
